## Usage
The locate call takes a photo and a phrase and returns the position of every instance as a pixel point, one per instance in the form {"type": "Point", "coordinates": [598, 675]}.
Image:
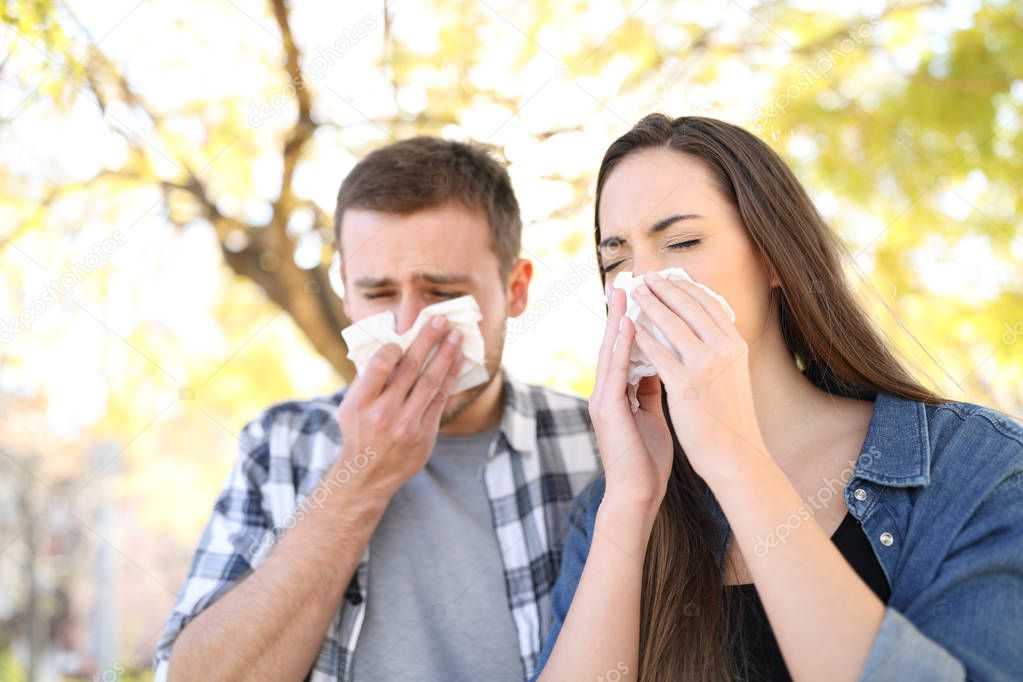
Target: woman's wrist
{"type": "Point", "coordinates": [631, 504]}
{"type": "Point", "coordinates": [744, 468]}
{"type": "Point", "coordinates": [626, 522]}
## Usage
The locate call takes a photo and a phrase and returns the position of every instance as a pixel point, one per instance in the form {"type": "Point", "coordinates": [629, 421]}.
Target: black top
{"type": "Point", "coordinates": [764, 656]}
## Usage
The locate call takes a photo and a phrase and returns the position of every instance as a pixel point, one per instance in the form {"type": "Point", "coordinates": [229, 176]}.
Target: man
{"type": "Point", "coordinates": [416, 536]}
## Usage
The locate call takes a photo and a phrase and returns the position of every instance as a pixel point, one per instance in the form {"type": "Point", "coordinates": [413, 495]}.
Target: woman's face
{"type": "Point", "coordinates": [660, 208]}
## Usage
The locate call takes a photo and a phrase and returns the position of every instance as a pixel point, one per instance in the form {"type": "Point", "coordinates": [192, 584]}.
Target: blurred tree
{"type": "Point", "coordinates": [213, 136]}
{"type": "Point", "coordinates": [261, 252]}
{"type": "Point", "coordinates": [916, 128]}
{"type": "Point", "coordinates": [882, 134]}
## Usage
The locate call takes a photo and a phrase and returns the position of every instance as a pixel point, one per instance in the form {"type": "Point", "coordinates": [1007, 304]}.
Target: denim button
{"type": "Point", "coordinates": [860, 494]}
{"type": "Point", "coordinates": [886, 539]}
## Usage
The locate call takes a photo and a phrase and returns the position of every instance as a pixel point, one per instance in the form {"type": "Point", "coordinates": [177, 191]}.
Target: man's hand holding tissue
{"type": "Point", "coordinates": [393, 408]}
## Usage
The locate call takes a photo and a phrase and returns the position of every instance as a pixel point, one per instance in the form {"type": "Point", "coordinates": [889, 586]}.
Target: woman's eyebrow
{"type": "Point", "coordinates": [670, 220]}
{"type": "Point", "coordinates": [613, 240]}
{"type": "Point", "coordinates": [660, 225]}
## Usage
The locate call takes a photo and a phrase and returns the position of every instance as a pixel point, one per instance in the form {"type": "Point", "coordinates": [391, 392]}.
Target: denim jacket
{"type": "Point", "coordinates": [938, 491]}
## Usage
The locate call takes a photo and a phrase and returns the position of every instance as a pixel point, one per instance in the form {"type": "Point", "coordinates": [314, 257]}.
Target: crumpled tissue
{"type": "Point", "coordinates": [639, 364]}
{"type": "Point", "coordinates": [368, 335]}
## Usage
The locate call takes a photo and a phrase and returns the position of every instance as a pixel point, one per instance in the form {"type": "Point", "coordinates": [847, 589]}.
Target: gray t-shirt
{"type": "Point", "coordinates": [437, 607]}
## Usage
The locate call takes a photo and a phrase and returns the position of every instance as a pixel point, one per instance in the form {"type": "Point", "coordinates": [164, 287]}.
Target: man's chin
{"type": "Point", "coordinates": [458, 403]}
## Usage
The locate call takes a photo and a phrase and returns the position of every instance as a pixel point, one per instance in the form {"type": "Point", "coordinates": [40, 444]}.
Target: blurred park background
{"type": "Point", "coordinates": [168, 173]}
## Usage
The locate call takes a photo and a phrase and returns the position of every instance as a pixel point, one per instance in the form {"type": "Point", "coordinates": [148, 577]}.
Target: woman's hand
{"type": "Point", "coordinates": [635, 449]}
{"type": "Point", "coordinates": [710, 398]}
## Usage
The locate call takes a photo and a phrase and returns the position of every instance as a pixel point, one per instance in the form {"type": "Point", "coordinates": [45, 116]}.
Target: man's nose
{"type": "Point", "coordinates": [405, 314]}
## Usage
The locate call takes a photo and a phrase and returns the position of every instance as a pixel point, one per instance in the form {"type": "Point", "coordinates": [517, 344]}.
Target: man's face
{"type": "Point", "coordinates": [404, 263]}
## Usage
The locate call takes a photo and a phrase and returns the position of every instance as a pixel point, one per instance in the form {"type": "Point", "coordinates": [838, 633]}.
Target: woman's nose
{"type": "Point", "coordinates": [642, 264]}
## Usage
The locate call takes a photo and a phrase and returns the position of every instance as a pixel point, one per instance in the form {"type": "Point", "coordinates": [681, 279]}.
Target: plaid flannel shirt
{"type": "Point", "coordinates": [544, 455]}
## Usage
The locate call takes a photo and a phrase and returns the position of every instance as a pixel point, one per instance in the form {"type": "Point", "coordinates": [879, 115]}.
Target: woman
{"type": "Point", "coordinates": [787, 500]}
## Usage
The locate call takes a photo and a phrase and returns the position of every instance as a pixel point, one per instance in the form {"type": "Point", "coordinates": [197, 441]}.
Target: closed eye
{"type": "Point", "coordinates": [446, 294]}
{"type": "Point", "coordinates": [435, 294]}
{"type": "Point", "coordinates": [611, 267]}
{"type": "Point", "coordinates": [688, 244]}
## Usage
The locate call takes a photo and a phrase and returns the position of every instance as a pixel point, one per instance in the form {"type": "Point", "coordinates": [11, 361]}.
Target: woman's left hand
{"type": "Point", "coordinates": [710, 398]}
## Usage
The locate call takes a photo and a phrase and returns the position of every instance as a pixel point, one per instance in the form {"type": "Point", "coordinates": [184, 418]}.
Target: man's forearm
{"type": "Point", "coordinates": [271, 625]}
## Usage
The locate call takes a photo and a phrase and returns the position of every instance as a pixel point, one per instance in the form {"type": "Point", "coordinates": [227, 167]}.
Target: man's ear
{"type": "Point", "coordinates": [344, 289]}
{"type": "Point", "coordinates": [518, 286]}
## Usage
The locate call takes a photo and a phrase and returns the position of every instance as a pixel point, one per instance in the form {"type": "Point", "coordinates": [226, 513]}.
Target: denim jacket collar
{"type": "Point", "coordinates": [896, 451]}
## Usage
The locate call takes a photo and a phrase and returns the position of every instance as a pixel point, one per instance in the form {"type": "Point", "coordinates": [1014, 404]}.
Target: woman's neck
{"type": "Point", "coordinates": [789, 407]}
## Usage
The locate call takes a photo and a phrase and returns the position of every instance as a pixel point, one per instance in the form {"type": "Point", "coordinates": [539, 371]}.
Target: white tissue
{"type": "Point", "coordinates": [368, 335]}
{"type": "Point", "coordinates": [639, 364]}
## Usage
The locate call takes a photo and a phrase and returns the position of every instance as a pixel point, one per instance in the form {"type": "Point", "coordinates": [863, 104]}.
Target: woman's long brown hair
{"type": "Point", "coordinates": [685, 631]}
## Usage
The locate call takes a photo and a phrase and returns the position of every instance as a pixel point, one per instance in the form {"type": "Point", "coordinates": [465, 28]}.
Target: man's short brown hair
{"type": "Point", "coordinates": [429, 172]}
